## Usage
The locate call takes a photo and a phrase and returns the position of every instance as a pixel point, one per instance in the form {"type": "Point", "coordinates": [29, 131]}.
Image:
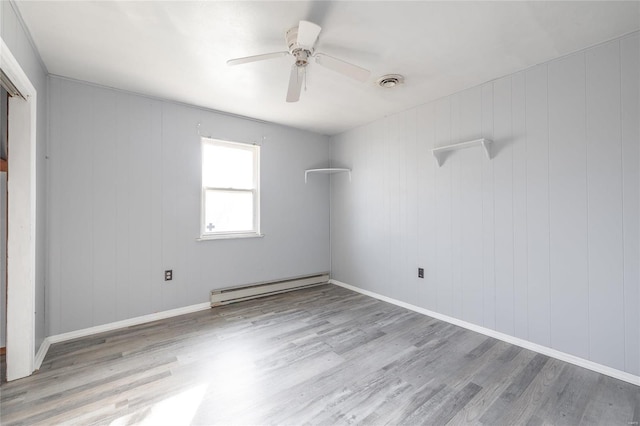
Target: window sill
{"type": "Point", "coordinates": [229, 236]}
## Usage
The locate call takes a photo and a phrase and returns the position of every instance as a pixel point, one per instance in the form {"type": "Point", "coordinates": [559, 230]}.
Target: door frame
{"type": "Point", "coordinates": [21, 229]}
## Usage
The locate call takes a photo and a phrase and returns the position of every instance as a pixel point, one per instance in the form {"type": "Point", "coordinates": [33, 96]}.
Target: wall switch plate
{"type": "Point", "coordinates": [168, 275]}
{"type": "Point", "coordinates": [420, 272]}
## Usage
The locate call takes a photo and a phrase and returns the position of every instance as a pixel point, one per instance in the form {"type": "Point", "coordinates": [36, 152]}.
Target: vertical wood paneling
{"type": "Point", "coordinates": [188, 179]}
{"type": "Point", "coordinates": [457, 161]}
{"type": "Point", "coordinates": [361, 195]}
{"type": "Point", "coordinates": [371, 181]}
{"type": "Point", "coordinates": [343, 215]}
{"type": "Point", "coordinates": [77, 228]}
{"type": "Point", "coordinates": [568, 206]}
{"type": "Point", "coordinates": [520, 273]}
{"type": "Point", "coordinates": [125, 205]}
{"type": "Point", "coordinates": [488, 217]}
{"type": "Point", "coordinates": [54, 232]}
{"type": "Point", "coordinates": [537, 191]}
{"type": "Point", "coordinates": [542, 241]}
{"type": "Point", "coordinates": [121, 177]}
{"type": "Point", "coordinates": [444, 248]}
{"type": "Point", "coordinates": [604, 210]}
{"type": "Point", "coordinates": [426, 205]}
{"type": "Point", "coordinates": [170, 145]}
{"type": "Point", "coordinates": [404, 282]}
{"type": "Point", "coordinates": [471, 245]}
{"type": "Point", "coordinates": [411, 185]}
{"type": "Point", "coordinates": [503, 202]}
{"type": "Point", "coordinates": [378, 214]}
{"type": "Point", "coordinates": [348, 212]}
{"type": "Point", "coordinates": [104, 206]}
{"type": "Point", "coordinates": [155, 241]}
{"type": "Point", "coordinates": [386, 278]}
{"type": "Point", "coordinates": [139, 206]}
{"type": "Point", "coordinates": [393, 203]}
{"type": "Point", "coordinates": [630, 136]}
{"type": "Point", "coordinates": [337, 250]}
{"type": "Point", "coordinates": [281, 166]}
{"type": "Point", "coordinates": [383, 146]}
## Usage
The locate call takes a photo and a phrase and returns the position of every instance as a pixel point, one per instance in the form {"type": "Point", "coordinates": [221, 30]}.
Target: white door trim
{"type": "Point", "coordinates": [21, 230]}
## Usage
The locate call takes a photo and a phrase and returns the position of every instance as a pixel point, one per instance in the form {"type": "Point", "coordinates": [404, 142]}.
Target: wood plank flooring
{"type": "Point", "coordinates": [325, 356]}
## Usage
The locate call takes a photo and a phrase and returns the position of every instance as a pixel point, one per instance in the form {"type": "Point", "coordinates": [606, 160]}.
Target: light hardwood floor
{"type": "Point", "coordinates": [323, 355]}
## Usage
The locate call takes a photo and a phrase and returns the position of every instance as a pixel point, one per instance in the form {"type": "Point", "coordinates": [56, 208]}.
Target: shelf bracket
{"type": "Point", "coordinates": [438, 152]}
{"type": "Point", "coordinates": [326, 171]}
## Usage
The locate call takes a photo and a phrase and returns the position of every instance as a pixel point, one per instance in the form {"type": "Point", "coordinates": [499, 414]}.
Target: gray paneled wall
{"type": "Point", "coordinates": [18, 41]}
{"type": "Point", "coordinates": [125, 206]}
{"type": "Point", "coordinates": [542, 241]}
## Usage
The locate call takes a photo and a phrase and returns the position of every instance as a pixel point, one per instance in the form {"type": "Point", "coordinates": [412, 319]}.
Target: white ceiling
{"type": "Point", "coordinates": [178, 50]}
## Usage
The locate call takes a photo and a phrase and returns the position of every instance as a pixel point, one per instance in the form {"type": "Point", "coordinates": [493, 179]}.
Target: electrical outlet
{"type": "Point", "coordinates": [168, 275]}
{"type": "Point", "coordinates": [420, 272]}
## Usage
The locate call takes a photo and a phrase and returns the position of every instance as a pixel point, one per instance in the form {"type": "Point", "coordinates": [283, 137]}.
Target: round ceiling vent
{"type": "Point", "coordinates": [390, 80]}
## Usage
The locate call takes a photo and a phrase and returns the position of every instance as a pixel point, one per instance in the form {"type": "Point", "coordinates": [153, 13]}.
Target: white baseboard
{"type": "Point", "coordinates": [42, 352]}
{"type": "Point", "coordinates": [57, 338]}
{"type": "Point", "coordinates": [572, 359]}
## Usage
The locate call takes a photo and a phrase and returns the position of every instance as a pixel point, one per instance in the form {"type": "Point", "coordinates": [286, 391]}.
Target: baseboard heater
{"type": "Point", "coordinates": [228, 295]}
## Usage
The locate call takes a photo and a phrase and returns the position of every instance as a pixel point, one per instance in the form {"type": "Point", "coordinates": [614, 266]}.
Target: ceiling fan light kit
{"type": "Point", "coordinates": [301, 41]}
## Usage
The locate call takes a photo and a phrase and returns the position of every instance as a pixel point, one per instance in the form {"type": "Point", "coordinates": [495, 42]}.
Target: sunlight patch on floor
{"type": "Point", "coordinates": [176, 410]}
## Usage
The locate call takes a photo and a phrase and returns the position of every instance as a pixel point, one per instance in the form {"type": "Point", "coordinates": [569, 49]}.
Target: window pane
{"type": "Point", "coordinates": [228, 211]}
{"type": "Point", "coordinates": [227, 167]}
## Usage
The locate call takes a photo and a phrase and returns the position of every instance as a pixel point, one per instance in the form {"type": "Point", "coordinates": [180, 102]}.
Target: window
{"type": "Point", "coordinates": [230, 190]}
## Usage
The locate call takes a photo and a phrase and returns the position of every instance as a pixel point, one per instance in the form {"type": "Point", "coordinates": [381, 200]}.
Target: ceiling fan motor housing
{"type": "Point", "coordinates": [302, 57]}
{"type": "Point", "coordinates": [301, 53]}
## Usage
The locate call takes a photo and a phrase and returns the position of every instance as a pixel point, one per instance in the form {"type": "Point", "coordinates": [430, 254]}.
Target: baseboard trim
{"type": "Point", "coordinates": [42, 352]}
{"type": "Point", "coordinates": [57, 338]}
{"type": "Point", "coordinates": [562, 356]}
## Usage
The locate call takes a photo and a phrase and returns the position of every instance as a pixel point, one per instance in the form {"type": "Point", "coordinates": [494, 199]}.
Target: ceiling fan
{"type": "Point", "coordinates": [301, 41]}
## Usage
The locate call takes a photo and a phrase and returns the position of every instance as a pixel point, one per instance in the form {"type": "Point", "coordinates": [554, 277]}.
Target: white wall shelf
{"type": "Point", "coordinates": [440, 151]}
{"type": "Point", "coordinates": [326, 171]}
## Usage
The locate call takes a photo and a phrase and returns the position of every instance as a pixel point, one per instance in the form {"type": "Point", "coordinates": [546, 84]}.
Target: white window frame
{"type": "Point", "coordinates": [255, 191]}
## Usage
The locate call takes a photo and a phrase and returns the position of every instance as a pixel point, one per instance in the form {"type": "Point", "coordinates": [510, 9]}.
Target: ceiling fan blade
{"type": "Point", "coordinates": [308, 33]}
{"type": "Point", "coordinates": [343, 67]}
{"type": "Point", "coordinates": [295, 84]}
{"type": "Point", "coordinates": [256, 58]}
